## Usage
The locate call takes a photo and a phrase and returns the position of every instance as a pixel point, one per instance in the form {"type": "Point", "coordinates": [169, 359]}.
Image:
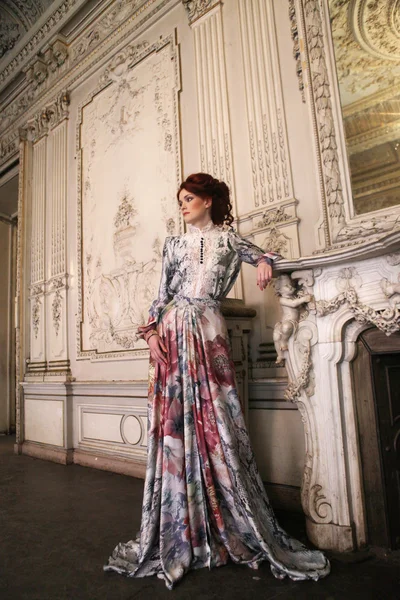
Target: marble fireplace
{"type": "Point", "coordinates": [327, 304]}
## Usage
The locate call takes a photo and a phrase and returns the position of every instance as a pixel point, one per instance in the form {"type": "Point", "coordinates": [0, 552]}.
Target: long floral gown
{"type": "Point", "coordinates": [204, 501]}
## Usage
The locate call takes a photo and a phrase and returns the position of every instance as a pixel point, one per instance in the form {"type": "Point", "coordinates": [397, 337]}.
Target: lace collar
{"type": "Point", "coordinates": [209, 227]}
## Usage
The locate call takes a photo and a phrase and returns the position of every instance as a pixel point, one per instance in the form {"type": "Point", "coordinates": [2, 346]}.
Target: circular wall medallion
{"type": "Point", "coordinates": [131, 430]}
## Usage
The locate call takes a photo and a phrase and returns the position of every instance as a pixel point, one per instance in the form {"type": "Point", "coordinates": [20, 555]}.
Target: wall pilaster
{"type": "Point", "coordinates": [212, 95]}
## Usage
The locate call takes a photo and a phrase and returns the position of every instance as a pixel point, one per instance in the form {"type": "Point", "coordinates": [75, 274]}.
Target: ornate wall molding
{"type": "Point", "coordinates": [322, 102]}
{"type": "Point", "coordinates": [273, 216]}
{"type": "Point", "coordinates": [56, 236]}
{"type": "Point", "coordinates": [111, 19]}
{"type": "Point", "coordinates": [340, 225]}
{"type": "Point", "coordinates": [113, 300]}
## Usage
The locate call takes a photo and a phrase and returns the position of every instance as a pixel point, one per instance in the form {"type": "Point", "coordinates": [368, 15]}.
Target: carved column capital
{"type": "Point", "coordinates": [198, 8]}
{"type": "Point", "coordinates": [49, 117]}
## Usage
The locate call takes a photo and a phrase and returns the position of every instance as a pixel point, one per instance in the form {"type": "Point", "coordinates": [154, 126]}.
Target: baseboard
{"type": "Point", "coordinates": [115, 464]}
{"type": "Point", "coordinates": [45, 452]}
{"type": "Point", "coordinates": [95, 460]}
{"type": "Point", "coordinates": [284, 497]}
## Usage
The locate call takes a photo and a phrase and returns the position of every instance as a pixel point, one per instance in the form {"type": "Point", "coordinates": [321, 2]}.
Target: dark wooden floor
{"type": "Point", "coordinates": [58, 524]}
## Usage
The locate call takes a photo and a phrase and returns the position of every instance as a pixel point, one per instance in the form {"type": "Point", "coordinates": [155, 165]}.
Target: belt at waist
{"type": "Point", "coordinates": [178, 298]}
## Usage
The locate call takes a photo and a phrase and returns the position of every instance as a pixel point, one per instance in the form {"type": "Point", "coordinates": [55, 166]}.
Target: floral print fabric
{"type": "Point", "coordinates": [204, 501]}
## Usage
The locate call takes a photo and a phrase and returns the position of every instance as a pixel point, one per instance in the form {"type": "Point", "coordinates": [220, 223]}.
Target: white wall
{"type": "Point", "coordinates": [136, 128]}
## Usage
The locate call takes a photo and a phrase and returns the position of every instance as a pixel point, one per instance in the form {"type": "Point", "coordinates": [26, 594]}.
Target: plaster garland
{"type": "Point", "coordinates": [56, 305]}
{"type": "Point", "coordinates": [387, 320]}
{"type": "Point", "coordinates": [320, 86]}
{"type": "Point", "coordinates": [296, 47]}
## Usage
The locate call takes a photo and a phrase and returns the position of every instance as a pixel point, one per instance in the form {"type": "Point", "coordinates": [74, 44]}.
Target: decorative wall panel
{"type": "Point", "coordinates": [118, 429]}
{"type": "Point", "coordinates": [128, 146]}
{"type": "Point", "coordinates": [44, 421]}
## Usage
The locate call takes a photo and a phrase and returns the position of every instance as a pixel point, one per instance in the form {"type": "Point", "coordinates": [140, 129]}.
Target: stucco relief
{"type": "Point", "coordinates": [115, 15]}
{"type": "Point", "coordinates": [296, 46]}
{"type": "Point", "coordinates": [130, 117]}
{"type": "Point", "coordinates": [56, 305]}
{"type": "Point", "coordinates": [367, 42]}
{"type": "Point", "coordinates": [197, 8]}
{"type": "Point", "coordinates": [17, 17]}
{"type": "Point", "coordinates": [40, 76]}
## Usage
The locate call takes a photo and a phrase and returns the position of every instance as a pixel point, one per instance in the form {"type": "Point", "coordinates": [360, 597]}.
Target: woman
{"type": "Point", "coordinates": [204, 501]}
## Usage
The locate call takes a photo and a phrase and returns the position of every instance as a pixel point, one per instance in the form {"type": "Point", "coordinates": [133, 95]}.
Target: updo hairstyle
{"type": "Point", "coordinates": [206, 186]}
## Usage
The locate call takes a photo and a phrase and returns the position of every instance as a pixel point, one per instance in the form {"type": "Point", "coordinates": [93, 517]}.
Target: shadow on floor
{"type": "Point", "coordinates": [58, 525]}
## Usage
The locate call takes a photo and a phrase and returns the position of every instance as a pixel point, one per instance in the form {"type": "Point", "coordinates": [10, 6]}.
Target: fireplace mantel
{"type": "Point", "coordinates": [327, 301]}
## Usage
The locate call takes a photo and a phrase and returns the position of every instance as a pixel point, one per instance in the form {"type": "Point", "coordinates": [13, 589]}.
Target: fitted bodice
{"type": "Point", "coordinates": [204, 263]}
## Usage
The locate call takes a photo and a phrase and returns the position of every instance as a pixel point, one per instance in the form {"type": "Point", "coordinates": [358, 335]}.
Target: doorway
{"type": "Point", "coordinates": [8, 250]}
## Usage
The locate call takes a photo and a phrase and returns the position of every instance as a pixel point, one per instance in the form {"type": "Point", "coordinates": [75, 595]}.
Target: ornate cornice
{"type": "Point", "coordinates": [39, 76]}
{"type": "Point", "coordinates": [36, 39]}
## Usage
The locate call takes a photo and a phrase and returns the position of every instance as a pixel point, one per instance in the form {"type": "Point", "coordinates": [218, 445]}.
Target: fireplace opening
{"type": "Point", "coordinates": [376, 377]}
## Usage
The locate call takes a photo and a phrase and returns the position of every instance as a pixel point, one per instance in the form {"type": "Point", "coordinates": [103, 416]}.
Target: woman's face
{"type": "Point", "coordinates": [195, 210]}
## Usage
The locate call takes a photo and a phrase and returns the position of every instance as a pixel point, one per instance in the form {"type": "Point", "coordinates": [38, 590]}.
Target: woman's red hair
{"type": "Point", "coordinates": [206, 186]}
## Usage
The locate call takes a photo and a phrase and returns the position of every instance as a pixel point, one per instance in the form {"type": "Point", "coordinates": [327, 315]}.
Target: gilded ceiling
{"type": "Point", "coordinates": [16, 18]}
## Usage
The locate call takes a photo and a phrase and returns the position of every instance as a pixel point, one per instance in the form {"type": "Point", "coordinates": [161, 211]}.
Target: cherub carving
{"type": "Point", "coordinates": [290, 304]}
{"type": "Point", "coordinates": [391, 291]}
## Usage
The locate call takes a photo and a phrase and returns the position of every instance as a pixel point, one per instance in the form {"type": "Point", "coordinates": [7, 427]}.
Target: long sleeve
{"type": "Point", "coordinates": [163, 294]}
{"type": "Point", "coordinates": [250, 253]}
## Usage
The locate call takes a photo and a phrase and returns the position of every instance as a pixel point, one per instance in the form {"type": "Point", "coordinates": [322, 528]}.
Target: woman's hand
{"type": "Point", "coordinates": [157, 349]}
{"type": "Point", "coordinates": [264, 275]}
